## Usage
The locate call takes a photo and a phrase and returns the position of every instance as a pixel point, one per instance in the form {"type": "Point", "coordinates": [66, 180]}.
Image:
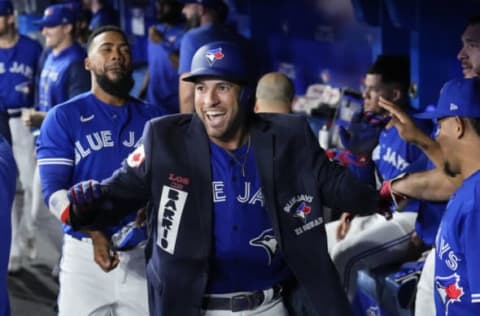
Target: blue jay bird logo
{"type": "Point", "coordinates": [267, 241]}
{"type": "Point", "coordinates": [213, 55]}
{"type": "Point", "coordinates": [449, 289]}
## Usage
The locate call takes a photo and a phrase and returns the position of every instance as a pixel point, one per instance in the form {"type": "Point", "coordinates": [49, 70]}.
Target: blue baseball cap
{"type": "Point", "coordinates": [6, 8]}
{"type": "Point", "coordinates": [458, 97]}
{"type": "Point", "coordinates": [226, 60]}
{"type": "Point", "coordinates": [57, 14]}
{"type": "Point", "coordinates": [207, 3]}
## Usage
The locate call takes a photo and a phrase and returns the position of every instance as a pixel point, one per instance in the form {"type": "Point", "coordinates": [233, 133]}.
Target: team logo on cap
{"type": "Point", "coordinates": [453, 107]}
{"type": "Point", "coordinates": [48, 12]}
{"type": "Point", "coordinates": [213, 55]}
{"type": "Point", "coordinates": [449, 289]}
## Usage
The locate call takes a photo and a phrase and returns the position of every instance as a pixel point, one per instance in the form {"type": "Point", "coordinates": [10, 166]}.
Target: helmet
{"type": "Point", "coordinates": [226, 60]}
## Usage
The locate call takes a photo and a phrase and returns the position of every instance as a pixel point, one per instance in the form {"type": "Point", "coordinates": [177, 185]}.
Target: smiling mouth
{"type": "Point", "coordinates": [215, 117]}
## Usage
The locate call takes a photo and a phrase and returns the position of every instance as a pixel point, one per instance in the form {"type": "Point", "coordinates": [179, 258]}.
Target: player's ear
{"type": "Point", "coordinates": [87, 63]}
{"type": "Point", "coordinates": [460, 130]}
{"type": "Point", "coordinates": [396, 94]}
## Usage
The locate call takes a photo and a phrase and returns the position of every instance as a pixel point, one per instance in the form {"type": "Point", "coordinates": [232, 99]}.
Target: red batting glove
{"type": "Point", "coordinates": [387, 196]}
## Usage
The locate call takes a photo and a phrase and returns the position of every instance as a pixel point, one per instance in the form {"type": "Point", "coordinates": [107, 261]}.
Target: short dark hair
{"type": "Point", "coordinates": [104, 29]}
{"type": "Point", "coordinates": [393, 69]}
{"type": "Point", "coordinates": [473, 20]}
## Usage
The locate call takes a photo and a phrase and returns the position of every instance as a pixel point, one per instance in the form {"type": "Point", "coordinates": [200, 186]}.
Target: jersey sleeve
{"type": "Point", "coordinates": [55, 153]}
{"type": "Point", "coordinates": [470, 234]}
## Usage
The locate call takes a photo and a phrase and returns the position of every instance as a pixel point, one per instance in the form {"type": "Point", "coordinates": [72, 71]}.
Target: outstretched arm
{"type": "Point", "coordinates": [431, 185]}
{"type": "Point", "coordinates": [410, 132]}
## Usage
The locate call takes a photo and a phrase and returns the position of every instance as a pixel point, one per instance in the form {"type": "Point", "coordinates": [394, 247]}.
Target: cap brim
{"type": "Point", "coordinates": [211, 72]}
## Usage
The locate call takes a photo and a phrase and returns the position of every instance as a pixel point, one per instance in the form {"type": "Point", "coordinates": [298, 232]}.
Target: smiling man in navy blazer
{"type": "Point", "coordinates": [235, 203]}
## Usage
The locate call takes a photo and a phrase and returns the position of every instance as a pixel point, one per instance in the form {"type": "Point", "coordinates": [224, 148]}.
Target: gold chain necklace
{"type": "Point", "coordinates": [245, 157]}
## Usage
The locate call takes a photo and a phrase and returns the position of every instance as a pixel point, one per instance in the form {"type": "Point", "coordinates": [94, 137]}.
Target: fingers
{"type": "Point", "coordinates": [106, 258]}
{"type": "Point", "coordinates": [85, 192]}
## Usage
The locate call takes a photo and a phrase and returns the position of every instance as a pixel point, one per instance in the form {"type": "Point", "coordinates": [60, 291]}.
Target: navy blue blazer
{"type": "Point", "coordinates": [172, 172]}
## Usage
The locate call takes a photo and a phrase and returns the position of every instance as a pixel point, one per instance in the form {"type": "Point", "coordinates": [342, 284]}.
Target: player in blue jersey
{"type": "Point", "coordinates": [368, 242]}
{"type": "Point", "coordinates": [457, 281]}
{"type": "Point", "coordinates": [161, 79]}
{"type": "Point", "coordinates": [206, 19]}
{"type": "Point", "coordinates": [235, 202]}
{"type": "Point", "coordinates": [434, 184]}
{"type": "Point", "coordinates": [19, 57]}
{"type": "Point", "coordinates": [87, 138]}
{"type": "Point", "coordinates": [62, 76]}
{"type": "Point", "coordinates": [7, 183]}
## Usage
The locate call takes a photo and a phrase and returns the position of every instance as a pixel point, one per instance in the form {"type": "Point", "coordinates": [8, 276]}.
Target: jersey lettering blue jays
{"type": "Point", "coordinates": [18, 66]}
{"type": "Point", "coordinates": [246, 256]}
{"type": "Point", "coordinates": [85, 138]}
{"type": "Point", "coordinates": [457, 255]}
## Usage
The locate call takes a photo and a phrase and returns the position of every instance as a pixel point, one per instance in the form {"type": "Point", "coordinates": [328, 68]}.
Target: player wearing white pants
{"type": "Point", "coordinates": [22, 221]}
{"type": "Point", "coordinates": [120, 292]}
{"type": "Point", "coordinates": [48, 229]}
{"type": "Point", "coordinates": [424, 300]}
{"type": "Point", "coordinates": [270, 307]}
{"type": "Point", "coordinates": [371, 241]}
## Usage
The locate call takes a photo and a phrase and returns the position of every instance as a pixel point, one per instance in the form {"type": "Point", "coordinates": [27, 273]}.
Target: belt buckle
{"type": "Point", "coordinates": [238, 302]}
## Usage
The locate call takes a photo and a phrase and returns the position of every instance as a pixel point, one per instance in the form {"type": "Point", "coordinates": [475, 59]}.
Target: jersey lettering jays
{"type": "Point", "coordinates": [457, 281]}
{"type": "Point", "coordinates": [246, 254]}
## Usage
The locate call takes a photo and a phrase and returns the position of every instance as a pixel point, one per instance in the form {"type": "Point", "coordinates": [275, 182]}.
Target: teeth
{"type": "Point", "coordinates": [213, 113]}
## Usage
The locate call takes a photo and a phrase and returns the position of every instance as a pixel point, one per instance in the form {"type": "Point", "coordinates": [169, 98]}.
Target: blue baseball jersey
{"type": "Point", "coordinates": [8, 176]}
{"type": "Point", "coordinates": [163, 82]}
{"type": "Point", "coordinates": [62, 77]}
{"type": "Point", "coordinates": [457, 255]}
{"type": "Point", "coordinates": [86, 138]}
{"type": "Point", "coordinates": [394, 156]}
{"type": "Point", "coordinates": [197, 37]}
{"type": "Point", "coordinates": [18, 67]}
{"type": "Point", "coordinates": [246, 255]}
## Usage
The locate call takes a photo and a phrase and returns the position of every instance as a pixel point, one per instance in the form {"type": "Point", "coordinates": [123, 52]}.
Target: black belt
{"type": "Point", "coordinates": [240, 302]}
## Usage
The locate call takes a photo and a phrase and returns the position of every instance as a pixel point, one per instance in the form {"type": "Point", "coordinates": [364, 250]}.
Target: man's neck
{"type": "Point", "coordinates": [9, 39]}
{"type": "Point", "coordinates": [62, 46]}
{"type": "Point", "coordinates": [107, 98]}
{"type": "Point", "coordinates": [239, 138]}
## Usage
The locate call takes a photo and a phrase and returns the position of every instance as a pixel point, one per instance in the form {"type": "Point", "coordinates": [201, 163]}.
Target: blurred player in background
{"type": "Point", "coordinates": [275, 93]}
{"type": "Point", "coordinates": [19, 57]}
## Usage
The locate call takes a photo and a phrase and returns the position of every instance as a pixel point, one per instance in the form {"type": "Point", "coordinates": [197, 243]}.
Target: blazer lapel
{"type": "Point", "coordinates": [198, 151]}
{"type": "Point", "coordinates": [263, 144]}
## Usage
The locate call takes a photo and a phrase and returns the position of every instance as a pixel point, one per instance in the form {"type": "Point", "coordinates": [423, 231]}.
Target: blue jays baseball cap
{"type": "Point", "coordinates": [458, 97]}
{"type": "Point", "coordinates": [207, 3]}
{"type": "Point", "coordinates": [226, 60]}
{"type": "Point", "coordinates": [57, 14]}
{"type": "Point", "coordinates": [6, 8]}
